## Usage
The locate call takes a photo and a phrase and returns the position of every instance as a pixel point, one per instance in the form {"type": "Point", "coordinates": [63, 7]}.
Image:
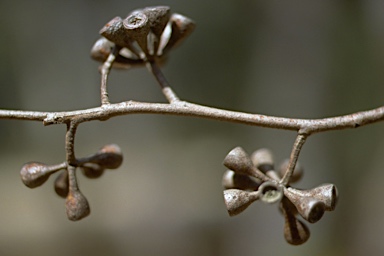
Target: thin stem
{"type": "Point", "coordinates": [105, 69]}
{"type": "Point", "coordinates": [299, 142]}
{"type": "Point", "coordinates": [169, 94]}
{"type": "Point", "coordinates": [57, 167]}
{"type": "Point", "coordinates": [70, 143]}
{"type": "Point", "coordinates": [73, 186]}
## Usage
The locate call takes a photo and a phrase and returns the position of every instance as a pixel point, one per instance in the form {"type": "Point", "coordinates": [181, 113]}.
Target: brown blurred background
{"type": "Point", "coordinates": [306, 59]}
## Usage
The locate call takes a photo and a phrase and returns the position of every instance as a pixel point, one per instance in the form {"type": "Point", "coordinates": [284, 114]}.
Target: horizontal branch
{"type": "Point", "coordinates": [183, 108]}
{"type": "Point", "coordinates": [23, 115]}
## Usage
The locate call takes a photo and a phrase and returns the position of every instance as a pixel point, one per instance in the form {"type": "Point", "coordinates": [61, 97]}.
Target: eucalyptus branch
{"type": "Point", "coordinates": [184, 108]}
{"type": "Point", "coordinates": [143, 39]}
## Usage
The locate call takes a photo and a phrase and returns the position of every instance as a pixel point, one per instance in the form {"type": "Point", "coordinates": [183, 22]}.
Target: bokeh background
{"type": "Point", "coordinates": [306, 59]}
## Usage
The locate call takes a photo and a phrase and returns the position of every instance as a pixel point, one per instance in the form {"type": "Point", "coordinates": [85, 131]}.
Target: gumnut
{"type": "Point", "coordinates": [108, 157]}
{"type": "Point", "coordinates": [92, 171]}
{"type": "Point", "coordinates": [34, 174]}
{"type": "Point", "coordinates": [61, 184]}
{"type": "Point", "coordinates": [77, 206]}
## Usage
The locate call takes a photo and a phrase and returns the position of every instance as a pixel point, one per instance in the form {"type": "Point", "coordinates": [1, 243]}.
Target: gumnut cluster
{"type": "Point", "coordinates": [34, 174]}
{"type": "Point", "coordinates": [146, 34]}
{"type": "Point", "coordinates": [252, 178]}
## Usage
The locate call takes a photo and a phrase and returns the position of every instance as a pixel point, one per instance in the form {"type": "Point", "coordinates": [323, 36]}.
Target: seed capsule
{"type": "Point", "coordinates": [309, 207]}
{"type": "Point", "coordinates": [295, 231]}
{"type": "Point", "coordinates": [137, 27]}
{"type": "Point", "coordinates": [239, 161]}
{"type": "Point", "coordinates": [61, 184]}
{"type": "Point", "coordinates": [115, 32]}
{"type": "Point", "coordinates": [77, 206]}
{"type": "Point", "coordinates": [179, 28]}
{"type": "Point", "coordinates": [34, 174]}
{"type": "Point", "coordinates": [238, 200]}
{"type": "Point", "coordinates": [108, 157]}
{"type": "Point", "coordinates": [158, 17]}
{"type": "Point", "coordinates": [125, 60]}
{"type": "Point", "coordinates": [92, 171]}
{"type": "Point", "coordinates": [239, 181]}
{"type": "Point", "coordinates": [326, 193]}
{"type": "Point", "coordinates": [263, 159]}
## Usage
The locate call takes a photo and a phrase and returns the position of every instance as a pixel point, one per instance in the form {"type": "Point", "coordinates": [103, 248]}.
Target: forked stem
{"type": "Point", "coordinates": [169, 94]}
{"type": "Point", "coordinates": [299, 142]}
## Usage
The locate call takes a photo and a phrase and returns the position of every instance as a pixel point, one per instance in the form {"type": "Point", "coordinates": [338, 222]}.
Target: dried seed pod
{"type": "Point", "coordinates": [326, 193]}
{"type": "Point", "coordinates": [108, 157]}
{"type": "Point", "coordinates": [237, 200]}
{"type": "Point", "coordinates": [137, 27]}
{"type": "Point", "coordinates": [61, 184]}
{"type": "Point", "coordinates": [297, 173]}
{"type": "Point", "coordinates": [310, 208]}
{"type": "Point", "coordinates": [34, 174]}
{"type": "Point", "coordinates": [239, 181]}
{"type": "Point", "coordinates": [263, 160]}
{"type": "Point", "coordinates": [158, 17]}
{"type": "Point", "coordinates": [103, 48]}
{"type": "Point", "coordinates": [92, 171]}
{"type": "Point", "coordinates": [115, 32]}
{"type": "Point", "coordinates": [180, 27]}
{"type": "Point", "coordinates": [238, 161]}
{"type": "Point", "coordinates": [270, 192]}
{"type": "Point", "coordinates": [295, 231]}
{"type": "Point", "coordinates": [77, 206]}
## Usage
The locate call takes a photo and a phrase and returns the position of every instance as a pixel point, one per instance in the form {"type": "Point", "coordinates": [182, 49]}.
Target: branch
{"type": "Point", "coordinates": [184, 108]}
{"type": "Point", "coordinates": [143, 38]}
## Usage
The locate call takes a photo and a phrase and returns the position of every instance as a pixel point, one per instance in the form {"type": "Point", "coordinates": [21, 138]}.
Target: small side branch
{"type": "Point", "coordinates": [169, 94]}
{"type": "Point", "coordinates": [297, 146]}
{"type": "Point", "coordinates": [105, 69]}
{"type": "Point", "coordinates": [70, 143]}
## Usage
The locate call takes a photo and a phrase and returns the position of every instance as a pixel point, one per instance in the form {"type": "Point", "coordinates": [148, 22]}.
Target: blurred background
{"type": "Point", "coordinates": [304, 59]}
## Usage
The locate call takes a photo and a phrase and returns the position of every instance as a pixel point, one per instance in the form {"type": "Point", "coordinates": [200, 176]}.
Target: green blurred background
{"type": "Point", "coordinates": [307, 59]}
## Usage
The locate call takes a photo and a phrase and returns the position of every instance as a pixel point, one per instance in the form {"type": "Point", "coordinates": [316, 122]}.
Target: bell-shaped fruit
{"type": "Point", "coordinates": [108, 157]}
{"type": "Point", "coordinates": [180, 27]}
{"type": "Point", "coordinates": [310, 208]}
{"type": "Point", "coordinates": [295, 231]}
{"type": "Point", "coordinates": [34, 174]}
{"type": "Point", "coordinates": [263, 159]}
{"type": "Point", "coordinates": [92, 171]}
{"type": "Point", "coordinates": [239, 161]}
{"type": "Point", "coordinates": [239, 181]}
{"type": "Point", "coordinates": [237, 200]}
{"type": "Point", "coordinates": [77, 206]}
